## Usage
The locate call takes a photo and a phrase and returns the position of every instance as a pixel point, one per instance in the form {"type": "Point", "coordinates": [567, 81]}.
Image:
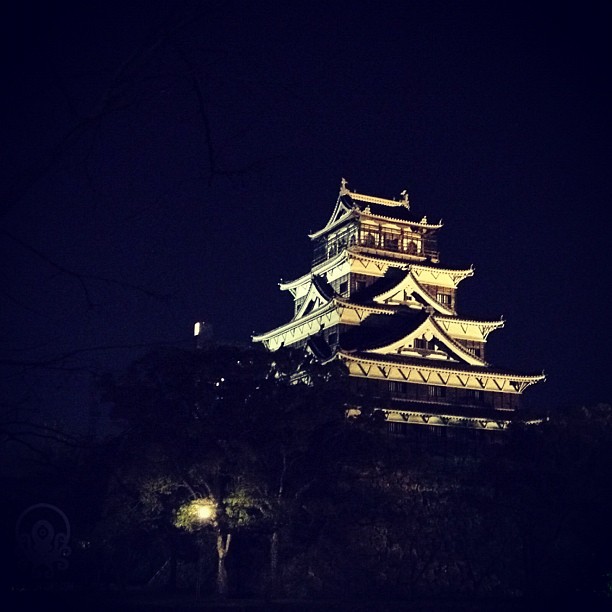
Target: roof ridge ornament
{"type": "Point", "coordinates": [343, 187]}
{"type": "Point", "coordinates": [406, 198]}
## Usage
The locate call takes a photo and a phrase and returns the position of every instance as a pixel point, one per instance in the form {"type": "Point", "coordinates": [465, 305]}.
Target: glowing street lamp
{"type": "Point", "coordinates": [196, 513]}
{"type": "Point", "coordinates": [204, 510]}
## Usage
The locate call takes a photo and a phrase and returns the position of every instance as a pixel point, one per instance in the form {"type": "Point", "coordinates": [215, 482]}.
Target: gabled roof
{"type": "Point", "coordinates": [319, 294]}
{"type": "Point", "coordinates": [343, 210]}
{"type": "Point", "coordinates": [301, 326]}
{"type": "Point", "coordinates": [351, 203]}
{"type": "Point", "coordinates": [394, 335]}
{"type": "Point", "coordinates": [449, 349]}
{"type": "Point", "coordinates": [392, 277]}
{"type": "Point", "coordinates": [323, 287]}
{"type": "Point", "coordinates": [410, 284]}
{"type": "Point", "coordinates": [381, 329]}
{"type": "Point", "coordinates": [317, 270]}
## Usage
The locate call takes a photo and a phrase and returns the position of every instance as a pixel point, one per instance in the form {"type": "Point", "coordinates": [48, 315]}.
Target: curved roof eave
{"type": "Point", "coordinates": [452, 368]}
{"type": "Point", "coordinates": [316, 270]}
{"type": "Point", "coordinates": [456, 349]}
{"type": "Point", "coordinates": [365, 213]}
{"type": "Point", "coordinates": [335, 220]}
{"type": "Point", "coordinates": [488, 326]}
{"type": "Point", "coordinates": [456, 275]}
{"type": "Point", "coordinates": [278, 330]}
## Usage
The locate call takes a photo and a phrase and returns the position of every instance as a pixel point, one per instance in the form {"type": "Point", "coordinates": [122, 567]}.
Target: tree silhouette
{"type": "Point", "coordinates": [228, 427]}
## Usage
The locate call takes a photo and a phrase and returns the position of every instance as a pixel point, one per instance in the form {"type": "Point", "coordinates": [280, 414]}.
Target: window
{"type": "Point", "coordinates": [398, 387]}
{"type": "Point", "coordinates": [370, 240]}
{"type": "Point", "coordinates": [391, 243]}
{"type": "Point", "coordinates": [444, 298]}
{"type": "Point", "coordinates": [298, 303]}
{"type": "Point", "coordinates": [360, 282]}
{"type": "Point", "coordinates": [475, 347]}
{"type": "Point", "coordinates": [343, 287]}
{"type": "Point", "coordinates": [391, 239]}
{"type": "Point", "coordinates": [320, 251]}
{"type": "Point", "coordinates": [410, 247]}
{"type": "Point", "coordinates": [476, 395]}
{"type": "Point", "coordinates": [436, 391]}
{"type": "Point", "coordinates": [421, 343]}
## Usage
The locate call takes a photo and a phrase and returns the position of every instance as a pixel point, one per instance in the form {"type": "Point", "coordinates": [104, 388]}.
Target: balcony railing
{"type": "Point", "coordinates": [379, 244]}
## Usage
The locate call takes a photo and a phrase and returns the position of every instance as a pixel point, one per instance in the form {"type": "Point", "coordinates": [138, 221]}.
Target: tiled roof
{"type": "Point", "coordinates": [393, 211]}
{"type": "Point", "coordinates": [439, 364]}
{"type": "Point", "coordinates": [391, 278]}
{"type": "Point", "coordinates": [319, 347]}
{"type": "Point", "coordinates": [324, 288]}
{"type": "Point", "coordinates": [381, 329]}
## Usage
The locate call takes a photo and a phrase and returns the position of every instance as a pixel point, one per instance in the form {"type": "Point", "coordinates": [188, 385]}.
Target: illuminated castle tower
{"type": "Point", "coordinates": [377, 298]}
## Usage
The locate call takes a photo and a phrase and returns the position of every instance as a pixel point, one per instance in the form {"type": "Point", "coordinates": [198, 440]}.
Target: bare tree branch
{"type": "Point", "coordinates": [58, 359]}
{"type": "Point", "coordinates": [81, 277]}
{"type": "Point", "coordinates": [203, 110]}
{"type": "Point", "coordinates": [111, 100]}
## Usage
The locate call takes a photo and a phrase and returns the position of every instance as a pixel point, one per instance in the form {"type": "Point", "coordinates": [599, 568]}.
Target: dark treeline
{"type": "Point", "coordinates": [229, 478]}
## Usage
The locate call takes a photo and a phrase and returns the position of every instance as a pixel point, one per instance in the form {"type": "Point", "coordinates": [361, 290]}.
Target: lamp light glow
{"type": "Point", "coordinates": [205, 512]}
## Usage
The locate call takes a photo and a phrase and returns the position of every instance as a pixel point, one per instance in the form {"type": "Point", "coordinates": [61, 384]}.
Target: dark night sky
{"type": "Point", "coordinates": [494, 116]}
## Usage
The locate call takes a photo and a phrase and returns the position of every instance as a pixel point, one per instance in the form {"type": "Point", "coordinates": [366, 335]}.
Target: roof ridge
{"type": "Point", "coordinates": [462, 349]}
{"type": "Point", "coordinates": [377, 200]}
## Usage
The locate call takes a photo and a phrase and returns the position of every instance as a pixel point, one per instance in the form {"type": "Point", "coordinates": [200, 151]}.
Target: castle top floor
{"type": "Point", "coordinates": [377, 226]}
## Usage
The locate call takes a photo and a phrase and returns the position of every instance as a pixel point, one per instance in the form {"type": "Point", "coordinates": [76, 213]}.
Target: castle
{"type": "Point", "coordinates": [377, 298]}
